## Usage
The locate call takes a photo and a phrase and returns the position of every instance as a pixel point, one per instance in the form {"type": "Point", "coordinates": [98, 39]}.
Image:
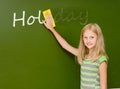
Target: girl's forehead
{"type": "Point", "coordinates": [89, 32]}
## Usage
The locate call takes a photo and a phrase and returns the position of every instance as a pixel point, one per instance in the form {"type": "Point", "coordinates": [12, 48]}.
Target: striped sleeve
{"type": "Point", "coordinates": [102, 59]}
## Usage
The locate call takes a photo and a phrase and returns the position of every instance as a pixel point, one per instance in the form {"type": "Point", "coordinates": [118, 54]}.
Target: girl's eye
{"type": "Point", "coordinates": [85, 37]}
{"type": "Point", "coordinates": [92, 37]}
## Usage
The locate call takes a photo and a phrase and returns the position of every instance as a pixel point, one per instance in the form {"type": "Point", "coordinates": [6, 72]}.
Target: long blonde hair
{"type": "Point", "coordinates": [99, 49]}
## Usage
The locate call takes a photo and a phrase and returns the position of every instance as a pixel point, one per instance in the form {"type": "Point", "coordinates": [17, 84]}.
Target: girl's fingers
{"type": "Point", "coordinates": [48, 21]}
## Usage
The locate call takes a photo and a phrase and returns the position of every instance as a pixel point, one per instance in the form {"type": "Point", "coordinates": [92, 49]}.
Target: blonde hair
{"type": "Point", "coordinates": [99, 49]}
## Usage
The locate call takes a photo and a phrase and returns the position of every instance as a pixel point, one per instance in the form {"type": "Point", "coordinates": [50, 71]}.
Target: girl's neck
{"type": "Point", "coordinates": [90, 54]}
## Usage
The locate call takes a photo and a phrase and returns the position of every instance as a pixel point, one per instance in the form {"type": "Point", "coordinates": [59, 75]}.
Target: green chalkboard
{"type": "Point", "coordinates": [31, 58]}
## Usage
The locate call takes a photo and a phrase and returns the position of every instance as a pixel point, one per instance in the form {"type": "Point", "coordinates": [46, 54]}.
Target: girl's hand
{"type": "Point", "coordinates": [48, 22]}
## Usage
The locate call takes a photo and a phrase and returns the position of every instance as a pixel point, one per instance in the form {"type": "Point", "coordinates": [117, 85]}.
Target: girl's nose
{"type": "Point", "coordinates": [88, 40]}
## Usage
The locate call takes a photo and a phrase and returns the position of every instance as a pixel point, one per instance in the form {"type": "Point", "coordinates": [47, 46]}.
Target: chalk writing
{"type": "Point", "coordinates": [70, 16]}
{"type": "Point", "coordinates": [59, 16]}
{"type": "Point", "coordinates": [30, 19]}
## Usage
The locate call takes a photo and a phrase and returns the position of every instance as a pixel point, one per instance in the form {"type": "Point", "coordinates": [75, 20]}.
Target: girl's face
{"type": "Point", "coordinates": [89, 39]}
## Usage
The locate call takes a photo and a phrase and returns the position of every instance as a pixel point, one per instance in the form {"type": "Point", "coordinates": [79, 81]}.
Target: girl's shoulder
{"type": "Point", "coordinates": [102, 59]}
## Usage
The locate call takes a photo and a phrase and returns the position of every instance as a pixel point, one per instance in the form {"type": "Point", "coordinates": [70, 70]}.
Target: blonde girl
{"type": "Point", "coordinates": [91, 54]}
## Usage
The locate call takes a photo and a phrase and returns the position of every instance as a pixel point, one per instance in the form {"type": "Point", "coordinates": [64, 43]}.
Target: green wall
{"type": "Point", "coordinates": [30, 57]}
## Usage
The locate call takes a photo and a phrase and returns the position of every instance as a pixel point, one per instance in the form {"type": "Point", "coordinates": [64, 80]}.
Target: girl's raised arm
{"type": "Point", "coordinates": [60, 39]}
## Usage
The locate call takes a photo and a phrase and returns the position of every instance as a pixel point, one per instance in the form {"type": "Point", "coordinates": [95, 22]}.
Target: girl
{"type": "Point", "coordinates": [91, 54]}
